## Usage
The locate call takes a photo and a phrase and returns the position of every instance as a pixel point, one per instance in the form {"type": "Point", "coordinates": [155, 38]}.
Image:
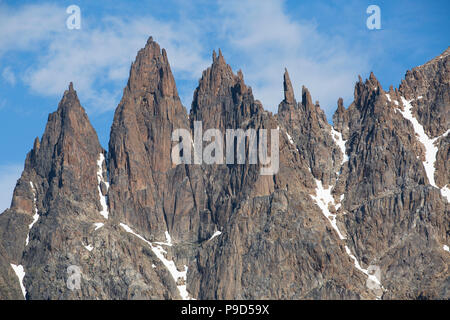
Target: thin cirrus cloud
{"type": "Point", "coordinates": [97, 58]}
{"type": "Point", "coordinates": [100, 57]}
{"type": "Point", "coordinates": [26, 28]}
{"type": "Point", "coordinates": [9, 76]}
{"type": "Point", "coordinates": [271, 40]}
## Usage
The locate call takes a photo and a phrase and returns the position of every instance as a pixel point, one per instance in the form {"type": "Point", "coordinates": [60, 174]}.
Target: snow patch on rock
{"type": "Point", "coordinates": [445, 191]}
{"type": "Point", "coordinates": [35, 216]}
{"type": "Point", "coordinates": [168, 240]}
{"type": "Point", "coordinates": [98, 225]}
{"type": "Point", "coordinates": [323, 199]}
{"type": "Point", "coordinates": [179, 276]}
{"type": "Point", "coordinates": [337, 137]}
{"type": "Point", "coordinates": [388, 97]}
{"type": "Point", "coordinates": [370, 276]}
{"type": "Point", "coordinates": [104, 212]}
{"type": "Point", "coordinates": [430, 148]}
{"type": "Point", "coordinates": [217, 233]}
{"type": "Point", "coordinates": [20, 273]}
{"type": "Point", "coordinates": [289, 138]}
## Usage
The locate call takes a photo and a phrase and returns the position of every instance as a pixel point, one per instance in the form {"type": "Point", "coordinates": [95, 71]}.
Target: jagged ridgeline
{"type": "Point", "coordinates": [357, 210]}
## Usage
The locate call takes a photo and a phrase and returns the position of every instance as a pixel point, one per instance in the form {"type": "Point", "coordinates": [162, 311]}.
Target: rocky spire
{"type": "Point", "coordinates": [151, 73]}
{"type": "Point", "coordinates": [288, 90]}
{"type": "Point", "coordinates": [240, 234]}
{"type": "Point", "coordinates": [366, 91]}
{"type": "Point", "coordinates": [340, 105]}
{"type": "Point", "coordinates": [56, 191]}
{"type": "Point", "coordinates": [70, 132]}
{"type": "Point", "coordinates": [428, 86]}
{"type": "Point", "coordinates": [142, 189]}
{"type": "Point", "coordinates": [340, 118]}
{"type": "Point", "coordinates": [69, 149]}
{"type": "Point", "coordinates": [306, 98]}
{"type": "Point", "coordinates": [222, 98]}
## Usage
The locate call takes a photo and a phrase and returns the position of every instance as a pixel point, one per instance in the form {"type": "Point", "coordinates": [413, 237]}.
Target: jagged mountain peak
{"type": "Point", "coordinates": [442, 57]}
{"type": "Point", "coordinates": [70, 100]}
{"type": "Point", "coordinates": [70, 116]}
{"type": "Point", "coordinates": [36, 144]}
{"type": "Point", "coordinates": [151, 73]}
{"type": "Point", "coordinates": [344, 198]}
{"type": "Point", "coordinates": [288, 89]}
{"type": "Point", "coordinates": [367, 90]}
{"type": "Point", "coordinates": [68, 145]}
{"type": "Point", "coordinates": [306, 97]}
{"type": "Point", "coordinates": [218, 59]}
{"type": "Point", "coordinates": [218, 75]}
{"type": "Point", "coordinates": [224, 91]}
{"type": "Point", "coordinates": [427, 87]}
{"type": "Point", "coordinates": [340, 118]}
{"type": "Point", "coordinates": [340, 105]}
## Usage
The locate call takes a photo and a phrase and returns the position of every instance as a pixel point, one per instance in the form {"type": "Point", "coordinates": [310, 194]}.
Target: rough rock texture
{"type": "Point", "coordinates": [394, 218]}
{"type": "Point", "coordinates": [429, 86]}
{"type": "Point", "coordinates": [307, 126]}
{"type": "Point", "coordinates": [268, 222]}
{"type": "Point", "coordinates": [345, 197]}
{"type": "Point", "coordinates": [60, 181]}
{"type": "Point", "coordinates": [147, 190]}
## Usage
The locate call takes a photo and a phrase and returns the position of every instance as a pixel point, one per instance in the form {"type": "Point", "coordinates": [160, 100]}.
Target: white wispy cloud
{"type": "Point", "coordinates": [271, 40]}
{"type": "Point", "coordinates": [97, 58]}
{"type": "Point", "coordinates": [26, 27]}
{"type": "Point", "coordinates": [9, 174]}
{"type": "Point", "coordinates": [9, 76]}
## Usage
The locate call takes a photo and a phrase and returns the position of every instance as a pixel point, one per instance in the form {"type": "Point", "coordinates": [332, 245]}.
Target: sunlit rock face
{"type": "Point", "coordinates": [369, 193]}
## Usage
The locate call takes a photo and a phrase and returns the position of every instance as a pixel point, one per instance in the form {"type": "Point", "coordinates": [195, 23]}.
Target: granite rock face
{"type": "Point", "coordinates": [371, 191]}
{"type": "Point", "coordinates": [52, 221]}
{"type": "Point", "coordinates": [147, 190]}
{"type": "Point", "coordinates": [395, 216]}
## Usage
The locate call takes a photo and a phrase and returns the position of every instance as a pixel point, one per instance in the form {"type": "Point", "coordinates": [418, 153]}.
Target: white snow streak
{"type": "Point", "coordinates": [390, 100]}
{"type": "Point", "coordinates": [89, 247]}
{"type": "Point", "coordinates": [217, 233]}
{"type": "Point", "coordinates": [169, 264]}
{"type": "Point", "coordinates": [324, 198]}
{"type": "Point", "coordinates": [289, 138]}
{"type": "Point", "coordinates": [100, 179]}
{"type": "Point", "coordinates": [429, 144]}
{"type": "Point", "coordinates": [445, 191]}
{"type": "Point", "coordinates": [98, 225]}
{"type": "Point", "coordinates": [20, 273]}
{"type": "Point", "coordinates": [35, 216]}
{"type": "Point", "coordinates": [365, 271]}
{"type": "Point", "coordinates": [445, 247]}
{"type": "Point", "coordinates": [168, 240]}
{"type": "Point", "coordinates": [337, 137]}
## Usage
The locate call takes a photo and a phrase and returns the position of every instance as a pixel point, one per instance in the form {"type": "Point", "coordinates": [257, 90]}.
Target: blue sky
{"type": "Point", "coordinates": [324, 45]}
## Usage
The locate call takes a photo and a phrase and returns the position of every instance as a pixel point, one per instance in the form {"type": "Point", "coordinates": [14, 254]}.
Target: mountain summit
{"type": "Point", "coordinates": [357, 210]}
